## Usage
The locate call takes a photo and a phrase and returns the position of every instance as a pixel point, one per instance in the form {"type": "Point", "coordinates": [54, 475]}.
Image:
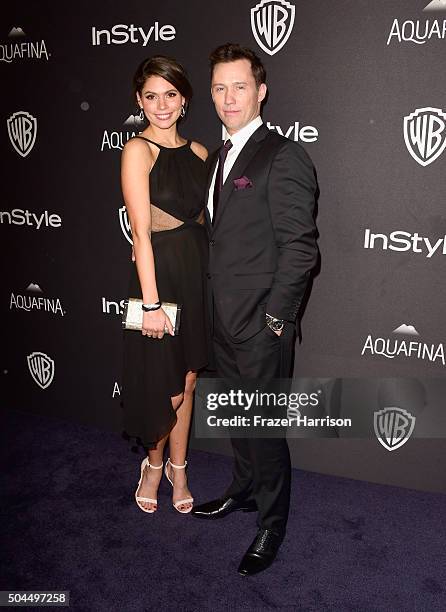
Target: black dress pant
{"type": "Point", "coordinates": [262, 469]}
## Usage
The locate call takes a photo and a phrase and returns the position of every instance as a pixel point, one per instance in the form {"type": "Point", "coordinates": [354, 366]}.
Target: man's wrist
{"type": "Point", "coordinates": [275, 324]}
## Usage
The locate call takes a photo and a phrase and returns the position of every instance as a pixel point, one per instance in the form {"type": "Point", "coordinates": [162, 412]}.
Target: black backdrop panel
{"type": "Point", "coordinates": [341, 85]}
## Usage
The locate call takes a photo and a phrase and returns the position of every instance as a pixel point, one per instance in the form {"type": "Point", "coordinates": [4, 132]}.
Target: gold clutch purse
{"type": "Point", "coordinates": [133, 313]}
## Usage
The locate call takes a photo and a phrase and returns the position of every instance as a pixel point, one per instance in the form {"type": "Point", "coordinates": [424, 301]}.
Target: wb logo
{"type": "Point", "coordinates": [41, 368]}
{"type": "Point", "coordinates": [271, 24]}
{"type": "Point", "coordinates": [22, 130]}
{"type": "Point", "coordinates": [393, 427]}
{"type": "Point", "coordinates": [425, 134]}
{"type": "Point", "coordinates": [125, 224]}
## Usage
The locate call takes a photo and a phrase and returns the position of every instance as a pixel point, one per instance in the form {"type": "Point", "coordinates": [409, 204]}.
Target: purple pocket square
{"type": "Point", "coordinates": [242, 183]}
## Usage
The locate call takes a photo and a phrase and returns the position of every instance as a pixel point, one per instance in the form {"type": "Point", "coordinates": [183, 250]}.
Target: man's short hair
{"type": "Point", "coordinates": [230, 52]}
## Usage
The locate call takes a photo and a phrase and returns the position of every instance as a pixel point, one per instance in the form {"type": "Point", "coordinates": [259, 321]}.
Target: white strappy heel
{"type": "Point", "coordinates": [188, 500]}
{"type": "Point", "coordinates": [145, 462]}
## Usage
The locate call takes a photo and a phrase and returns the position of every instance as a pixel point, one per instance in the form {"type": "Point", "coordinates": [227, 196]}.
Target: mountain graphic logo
{"type": "Point", "coordinates": [34, 288]}
{"type": "Point", "coordinates": [134, 121]}
{"type": "Point", "coordinates": [16, 33]}
{"type": "Point", "coordinates": [436, 5]}
{"type": "Point", "coordinates": [406, 329]}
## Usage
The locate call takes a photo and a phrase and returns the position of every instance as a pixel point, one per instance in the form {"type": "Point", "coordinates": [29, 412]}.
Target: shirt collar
{"type": "Point", "coordinates": [240, 138]}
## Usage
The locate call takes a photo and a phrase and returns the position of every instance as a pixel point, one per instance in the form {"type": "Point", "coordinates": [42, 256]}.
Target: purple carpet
{"type": "Point", "coordinates": [69, 522]}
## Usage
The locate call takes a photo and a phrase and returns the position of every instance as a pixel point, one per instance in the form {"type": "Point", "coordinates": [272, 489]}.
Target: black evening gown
{"type": "Point", "coordinates": [154, 370]}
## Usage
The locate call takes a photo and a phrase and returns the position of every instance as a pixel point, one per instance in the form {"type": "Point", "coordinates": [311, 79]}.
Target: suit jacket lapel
{"type": "Point", "coordinates": [243, 159]}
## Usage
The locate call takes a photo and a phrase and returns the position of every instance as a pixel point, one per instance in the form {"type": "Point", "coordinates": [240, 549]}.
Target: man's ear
{"type": "Point", "coordinates": [262, 92]}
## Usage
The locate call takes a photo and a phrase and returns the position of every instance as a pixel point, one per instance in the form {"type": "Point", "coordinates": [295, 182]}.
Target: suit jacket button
{"type": "Point", "coordinates": [212, 242]}
{"type": "Point", "coordinates": [208, 275]}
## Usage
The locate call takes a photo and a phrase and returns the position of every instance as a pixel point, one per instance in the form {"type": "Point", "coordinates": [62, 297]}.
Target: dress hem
{"type": "Point", "coordinates": [139, 443]}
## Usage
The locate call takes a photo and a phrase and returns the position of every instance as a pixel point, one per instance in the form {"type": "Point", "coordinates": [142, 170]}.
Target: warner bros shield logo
{"type": "Point", "coordinates": [125, 224]}
{"type": "Point", "coordinates": [272, 22]}
{"type": "Point", "coordinates": [393, 427]}
{"type": "Point", "coordinates": [22, 130]}
{"type": "Point", "coordinates": [41, 368]}
{"type": "Point", "coordinates": [425, 134]}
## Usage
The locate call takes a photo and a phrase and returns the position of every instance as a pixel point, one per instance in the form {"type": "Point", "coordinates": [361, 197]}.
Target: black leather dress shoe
{"type": "Point", "coordinates": [218, 508]}
{"type": "Point", "coordinates": [261, 553]}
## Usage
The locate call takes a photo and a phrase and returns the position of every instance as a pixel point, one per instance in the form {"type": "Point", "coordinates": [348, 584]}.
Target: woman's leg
{"type": "Point", "coordinates": [182, 403]}
{"type": "Point", "coordinates": [178, 440]}
{"type": "Point", "coordinates": [151, 477]}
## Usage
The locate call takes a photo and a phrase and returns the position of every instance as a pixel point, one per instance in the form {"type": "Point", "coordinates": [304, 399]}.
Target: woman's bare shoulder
{"type": "Point", "coordinates": [136, 144]}
{"type": "Point", "coordinates": [199, 150]}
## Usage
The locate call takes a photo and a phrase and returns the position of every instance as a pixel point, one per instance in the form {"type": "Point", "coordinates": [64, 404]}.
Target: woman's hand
{"type": "Point", "coordinates": [155, 324]}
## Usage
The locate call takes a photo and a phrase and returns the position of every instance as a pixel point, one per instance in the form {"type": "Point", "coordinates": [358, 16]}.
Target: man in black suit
{"type": "Point", "coordinates": [260, 215]}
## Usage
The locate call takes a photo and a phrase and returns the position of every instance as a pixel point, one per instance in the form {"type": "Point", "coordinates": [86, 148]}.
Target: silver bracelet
{"type": "Point", "coordinates": [151, 307]}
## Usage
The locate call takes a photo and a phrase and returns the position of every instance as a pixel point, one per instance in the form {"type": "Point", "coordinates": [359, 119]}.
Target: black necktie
{"type": "Point", "coordinates": [219, 176]}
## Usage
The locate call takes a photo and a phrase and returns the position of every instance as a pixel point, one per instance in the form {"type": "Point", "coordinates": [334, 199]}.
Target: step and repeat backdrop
{"type": "Point", "coordinates": [360, 84]}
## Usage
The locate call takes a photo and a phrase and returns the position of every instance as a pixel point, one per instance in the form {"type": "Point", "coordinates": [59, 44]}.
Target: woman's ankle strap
{"type": "Point", "coordinates": [179, 467]}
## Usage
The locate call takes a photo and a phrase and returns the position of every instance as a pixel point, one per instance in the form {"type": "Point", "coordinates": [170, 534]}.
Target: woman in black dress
{"type": "Point", "coordinates": [163, 178]}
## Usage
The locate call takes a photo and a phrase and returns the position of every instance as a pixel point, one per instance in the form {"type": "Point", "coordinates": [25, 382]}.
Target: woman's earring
{"type": "Point", "coordinates": [141, 114]}
{"type": "Point", "coordinates": [183, 110]}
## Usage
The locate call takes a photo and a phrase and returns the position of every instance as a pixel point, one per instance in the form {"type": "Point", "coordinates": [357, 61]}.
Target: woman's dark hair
{"type": "Point", "coordinates": [167, 68]}
{"type": "Point", "coordinates": [230, 52]}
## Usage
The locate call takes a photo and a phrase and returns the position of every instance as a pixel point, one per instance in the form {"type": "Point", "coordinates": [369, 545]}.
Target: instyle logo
{"type": "Point", "coordinates": [425, 134]}
{"type": "Point", "coordinates": [18, 216]}
{"type": "Point", "coordinates": [41, 368]}
{"type": "Point", "coordinates": [112, 307]}
{"type": "Point", "coordinates": [400, 240]}
{"type": "Point", "coordinates": [125, 224]}
{"type": "Point", "coordinates": [18, 49]}
{"type": "Point", "coordinates": [410, 348]}
{"type": "Point", "coordinates": [271, 23]}
{"type": "Point", "coordinates": [22, 132]}
{"type": "Point", "coordinates": [419, 31]}
{"type": "Point", "coordinates": [35, 301]}
{"type": "Point", "coordinates": [120, 34]}
{"type": "Point", "coordinates": [295, 131]}
{"type": "Point", "coordinates": [393, 427]}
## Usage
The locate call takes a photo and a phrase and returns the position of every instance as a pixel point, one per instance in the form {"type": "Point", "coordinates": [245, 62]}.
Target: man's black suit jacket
{"type": "Point", "coordinates": [262, 244]}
